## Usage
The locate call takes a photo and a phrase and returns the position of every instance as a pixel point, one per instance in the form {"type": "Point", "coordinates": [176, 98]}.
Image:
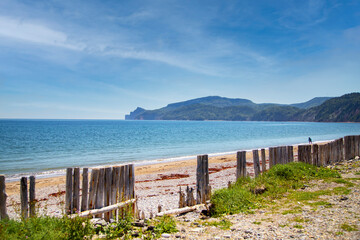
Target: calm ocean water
{"type": "Point", "coordinates": [35, 146]}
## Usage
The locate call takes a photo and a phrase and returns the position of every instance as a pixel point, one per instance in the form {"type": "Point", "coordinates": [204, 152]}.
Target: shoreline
{"type": "Point", "coordinates": [143, 168]}
{"type": "Point", "coordinates": [55, 173]}
{"type": "Point", "coordinates": [155, 184]}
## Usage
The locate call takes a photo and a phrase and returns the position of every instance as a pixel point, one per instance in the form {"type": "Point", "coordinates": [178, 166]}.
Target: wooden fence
{"type": "Point", "coordinates": [108, 186]}
{"type": "Point", "coordinates": [111, 188]}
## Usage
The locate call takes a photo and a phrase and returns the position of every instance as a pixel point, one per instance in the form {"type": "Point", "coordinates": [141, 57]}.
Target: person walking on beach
{"type": "Point", "coordinates": [310, 141]}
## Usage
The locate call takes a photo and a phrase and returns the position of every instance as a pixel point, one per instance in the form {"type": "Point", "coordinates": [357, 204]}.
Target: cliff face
{"type": "Point", "coordinates": [340, 109]}
{"type": "Point", "coordinates": [132, 115]}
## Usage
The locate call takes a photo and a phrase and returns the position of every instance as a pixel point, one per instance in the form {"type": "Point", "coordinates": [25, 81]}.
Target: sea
{"type": "Point", "coordinates": [46, 148]}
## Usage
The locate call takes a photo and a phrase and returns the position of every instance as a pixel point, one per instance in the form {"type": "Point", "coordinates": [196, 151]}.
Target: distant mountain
{"type": "Point", "coordinates": [340, 109]}
{"type": "Point", "coordinates": [311, 103]}
{"type": "Point", "coordinates": [321, 109]}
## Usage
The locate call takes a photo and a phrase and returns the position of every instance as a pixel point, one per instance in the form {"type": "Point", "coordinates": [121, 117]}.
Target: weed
{"type": "Point", "coordinates": [224, 224]}
{"type": "Point", "coordinates": [348, 227]}
{"type": "Point", "coordinates": [257, 223]}
{"type": "Point", "coordinates": [165, 224]}
{"type": "Point", "coordinates": [339, 233]}
{"type": "Point", "coordinates": [343, 181]}
{"type": "Point", "coordinates": [298, 226]}
{"type": "Point", "coordinates": [299, 220]}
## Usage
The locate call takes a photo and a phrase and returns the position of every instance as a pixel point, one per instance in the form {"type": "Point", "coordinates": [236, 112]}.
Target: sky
{"type": "Point", "coordinates": [72, 59]}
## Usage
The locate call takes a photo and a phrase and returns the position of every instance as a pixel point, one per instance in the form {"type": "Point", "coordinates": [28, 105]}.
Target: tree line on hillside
{"type": "Point", "coordinates": [339, 109]}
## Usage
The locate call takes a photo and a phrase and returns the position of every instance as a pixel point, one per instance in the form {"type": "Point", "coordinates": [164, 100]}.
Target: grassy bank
{"type": "Point", "coordinates": [280, 181]}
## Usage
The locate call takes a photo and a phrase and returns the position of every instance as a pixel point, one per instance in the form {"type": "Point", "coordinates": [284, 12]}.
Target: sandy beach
{"type": "Point", "coordinates": [155, 184]}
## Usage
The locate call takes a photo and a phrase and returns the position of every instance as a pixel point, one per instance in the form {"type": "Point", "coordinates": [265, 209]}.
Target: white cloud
{"type": "Point", "coordinates": [35, 33]}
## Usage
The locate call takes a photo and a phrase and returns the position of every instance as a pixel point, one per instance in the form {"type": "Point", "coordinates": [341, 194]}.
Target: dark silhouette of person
{"type": "Point", "coordinates": [310, 141]}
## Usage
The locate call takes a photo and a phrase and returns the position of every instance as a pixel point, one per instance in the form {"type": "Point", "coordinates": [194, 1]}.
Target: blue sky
{"type": "Point", "coordinates": [102, 59]}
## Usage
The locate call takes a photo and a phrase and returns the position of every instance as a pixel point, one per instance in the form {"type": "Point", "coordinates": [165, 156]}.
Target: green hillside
{"type": "Point", "coordinates": [340, 109]}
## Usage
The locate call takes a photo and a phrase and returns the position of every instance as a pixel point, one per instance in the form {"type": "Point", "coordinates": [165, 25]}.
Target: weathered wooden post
{"type": "Point", "coordinates": [132, 184]}
{"type": "Point", "coordinates": [290, 152]}
{"type": "Point", "coordinates": [122, 184]}
{"type": "Point", "coordinates": [271, 157]}
{"type": "Point", "coordinates": [107, 193]}
{"type": "Point", "coordinates": [3, 196]}
{"type": "Point", "coordinates": [85, 189]}
{"type": "Point", "coordinates": [263, 160]}
{"type": "Point", "coordinates": [32, 197]}
{"type": "Point", "coordinates": [76, 190]}
{"type": "Point", "coordinates": [241, 164]}
{"type": "Point", "coordinates": [69, 190]}
{"type": "Point", "coordinates": [99, 203]}
{"type": "Point", "coordinates": [348, 147]}
{"type": "Point", "coordinates": [279, 159]}
{"type": "Point", "coordinates": [356, 147]}
{"type": "Point", "coordinates": [190, 199]}
{"type": "Point", "coordinates": [304, 154]}
{"type": "Point", "coordinates": [315, 153]}
{"type": "Point", "coordinates": [93, 188]}
{"type": "Point", "coordinates": [24, 197]}
{"type": "Point", "coordinates": [256, 162]}
{"type": "Point", "coordinates": [182, 202]}
{"type": "Point", "coordinates": [202, 179]}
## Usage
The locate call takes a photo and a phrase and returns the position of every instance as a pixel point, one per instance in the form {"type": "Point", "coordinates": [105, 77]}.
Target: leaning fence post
{"type": "Point", "coordinates": [256, 162]}
{"type": "Point", "coordinates": [24, 197]}
{"type": "Point", "coordinates": [3, 196]}
{"type": "Point", "coordinates": [32, 199]}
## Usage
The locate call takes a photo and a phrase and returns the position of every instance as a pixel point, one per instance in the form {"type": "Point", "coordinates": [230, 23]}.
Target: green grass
{"type": "Point", "coordinates": [348, 227]}
{"type": "Point", "coordinates": [279, 180]}
{"type": "Point", "coordinates": [46, 228]}
{"type": "Point", "coordinates": [298, 226]}
{"type": "Point", "coordinates": [224, 224]}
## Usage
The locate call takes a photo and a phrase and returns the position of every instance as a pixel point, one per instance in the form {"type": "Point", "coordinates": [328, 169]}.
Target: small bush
{"type": "Point", "coordinates": [166, 224]}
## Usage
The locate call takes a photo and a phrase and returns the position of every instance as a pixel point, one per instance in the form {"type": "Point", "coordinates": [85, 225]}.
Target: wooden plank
{"type": "Point", "coordinates": [114, 185]}
{"type": "Point", "coordinates": [24, 198]}
{"type": "Point", "coordinates": [3, 197]}
{"type": "Point", "coordinates": [76, 191]}
{"type": "Point", "coordinates": [207, 191]}
{"type": "Point", "coordinates": [107, 192]}
{"type": "Point", "coordinates": [263, 160]}
{"type": "Point", "coordinates": [127, 183]}
{"type": "Point", "coordinates": [241, 164]}
{"type": "Point", "coordinates": [315, 153]}
{"type": "Point", "coordinates": [290, 152]}
{"type": "Point", "coordinates": [85, 189]}
{"type": "Point", "coordinates": [94, 182]}
{"type": "Point", "coordinates": [32, 199]}
{"type": "Point", "coordinates": [180, 210]}
{"type": "Point", "coordinates": [100, 191]}
{"type": "Point", "coordinates": [278, 155]}
{"type": "Point", "coordinates": [122, 184]}
{"type": "Point", "coordinates": [199, 180]}
{"type": "Point", "coordinates": [347, 147]}
{"type": "Point", "coordinates": [131, 181]}
{"type": "Point", "coordinates": [100, 211]}
{"type": "Point", "coordinates": [271, 157]}
{"type": "Point", "coordinates": [69, 190]}
{"type": "Point", "coordinates": [256, 162]}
